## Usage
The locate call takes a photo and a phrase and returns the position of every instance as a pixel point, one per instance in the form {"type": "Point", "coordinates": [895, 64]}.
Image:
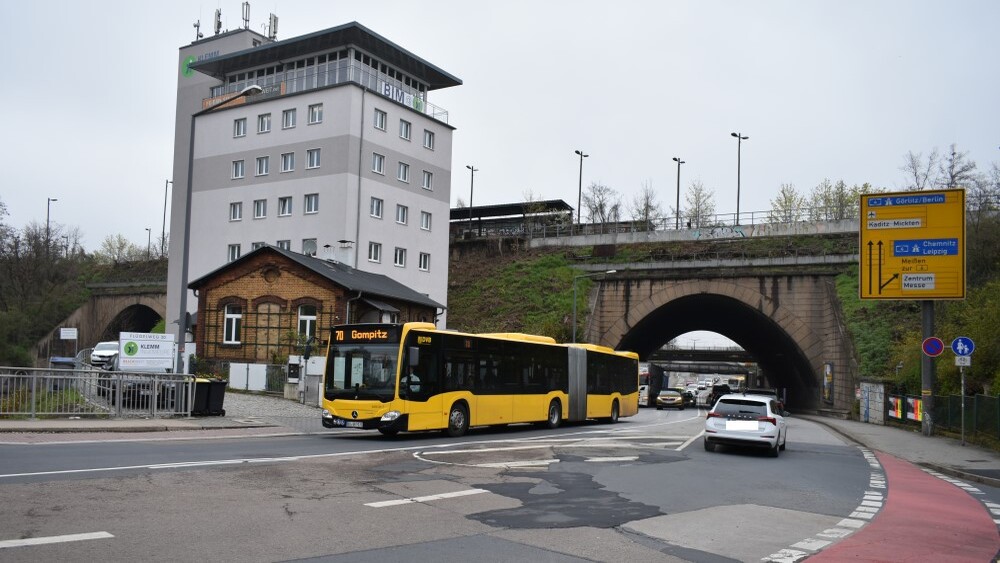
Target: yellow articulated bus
{"type": "Point", "coordinates": [409, 377]}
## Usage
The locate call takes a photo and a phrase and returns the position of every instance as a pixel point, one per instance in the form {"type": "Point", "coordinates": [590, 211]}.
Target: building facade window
{"type": "Point", "coordinates": [427, 182]}
{"type": "Point", "coordinates": [240, 127]}
{"type": "Point", "coordinates": [312, 158]}
{"type": "Point", "coordinates": [428, 139]}
{"type": "Point", "coordinates": [284, 244]}
{"type": "Point", "coordinates": [315, 113]}
{"type": "Point", "coordinates": [264, 123]}
{"type": "Point", "coordinates": [288, 118]}
{"type": "Point", "coordinates": [402, 214]}
{"type": "Point", "coordinates": [238, 169]}
{"type": "Point", "coordinates": [287, 162]}
{"type": "Point", "coordinates": [233, 324]}
{"type": "Point", "coordinates": [424, 263]}
{"type": "Point", "coordinates": [309, 246]}
{"type": "Point", "coordinates": [236, 211]}
{"type": "Point", "coordinates": [256, 245]}
{"type": "Point", "coordinates": [263, 165]}
{"type": "Point", "coordinates": [425, 221]}
{"type": "Point", "coordinates": [374, 252]}
{"type": "Point", "coordinates": [307, 321]}
{"type": "Point", "coordinates": [378, 163]}
{"type": "Point", "coordinates": [284, 206]}
{"type": "Point", "coordinates": [376, 208]}
{"type": "Point", "coordinates": [380, 119]}
{"type": "Point", "coordinates": [312, 203]}
{"type": "Point", "coordinates": [399, 258]}
{"type": "Point", "coordinates": [259, 208]}
{"type": "Point", "coordinates": [233, 252]}
{"type": "Point", "coordinates": [404, 129]}
{"type": "Point", "coordinates": [403, 174]}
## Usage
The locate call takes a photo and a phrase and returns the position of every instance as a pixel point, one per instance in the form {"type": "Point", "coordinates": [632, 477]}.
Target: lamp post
{"type": "Point", "coordinates": [163, 233]}
{"type": "Point", "coordinates": [472, 184]}
{"type": "Point", "coordinates": [581, 276]}
{"type": "Point", "coordinates": [579, 193]}
{"type": "Point", "coordinates": [677, 224]}
{"type": "Point", "coordinates": [739, 150]}
{"type": "Point", "coordinates": [48, 209]}
{"type": "Point", "coordinates": [149, 238]}
{"type": "Point", "coordinates": [182, 321]}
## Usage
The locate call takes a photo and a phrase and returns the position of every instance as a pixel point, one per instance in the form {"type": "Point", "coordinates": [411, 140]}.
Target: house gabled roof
{"type": "Point", "coordinates": [367, 283]}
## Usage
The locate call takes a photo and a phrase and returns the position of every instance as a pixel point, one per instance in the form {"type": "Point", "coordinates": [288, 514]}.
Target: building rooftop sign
{"type": "Point", "coordinates": [912, 245]}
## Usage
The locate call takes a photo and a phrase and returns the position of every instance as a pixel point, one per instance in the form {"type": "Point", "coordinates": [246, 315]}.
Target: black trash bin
{"type": "Point", "coordinates": [209, 397]}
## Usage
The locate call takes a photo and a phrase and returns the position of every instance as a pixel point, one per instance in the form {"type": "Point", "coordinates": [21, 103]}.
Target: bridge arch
{"type": "Point", "coordinates": [787, 347]}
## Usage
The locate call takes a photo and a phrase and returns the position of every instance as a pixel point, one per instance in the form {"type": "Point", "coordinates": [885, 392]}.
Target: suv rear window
{"type": "Point", "coordinates": [741, 406]}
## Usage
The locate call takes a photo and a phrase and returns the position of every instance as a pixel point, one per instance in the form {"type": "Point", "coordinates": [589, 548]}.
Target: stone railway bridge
{"type": "Point", "coordinates": [782, 309]}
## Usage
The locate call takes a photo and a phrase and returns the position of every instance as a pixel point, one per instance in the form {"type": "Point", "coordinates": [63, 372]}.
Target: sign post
{"type": "Point", "coordinates": [963, 348]}
{"type": "Point", "coordinates": [912, 247]}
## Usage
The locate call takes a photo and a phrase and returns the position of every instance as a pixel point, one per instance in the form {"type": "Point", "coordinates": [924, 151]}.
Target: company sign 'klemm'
{"type": "Point", "coordinates": [140, 350]}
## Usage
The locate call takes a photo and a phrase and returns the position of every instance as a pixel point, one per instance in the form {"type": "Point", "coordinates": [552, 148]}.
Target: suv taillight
{"type": "Point", "coordinates": [772, 420]}
{"type": "Point", "coordinates": [713, 415]}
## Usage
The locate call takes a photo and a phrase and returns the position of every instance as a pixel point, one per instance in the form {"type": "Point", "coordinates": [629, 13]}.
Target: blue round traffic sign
{"type": "Point", "coordinates": [963, 346]}
{"type": "Point", "coordinates": [933, 346]}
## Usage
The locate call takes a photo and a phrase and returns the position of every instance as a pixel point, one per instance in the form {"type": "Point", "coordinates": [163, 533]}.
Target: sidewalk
{"type": "Point", "coordinates": [943, 454]}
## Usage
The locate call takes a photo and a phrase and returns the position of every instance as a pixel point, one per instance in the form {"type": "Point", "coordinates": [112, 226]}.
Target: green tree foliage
{"type": "Point", "coordinates": [788, 206]}
{"type": "Point", "coordinates": [700, 210]}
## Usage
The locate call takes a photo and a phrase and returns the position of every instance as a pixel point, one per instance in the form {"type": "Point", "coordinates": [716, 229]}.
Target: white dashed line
{"type": "Point", "coordinates": [428, 498]}
{"type": "Point", "coordinates": [872, 501]}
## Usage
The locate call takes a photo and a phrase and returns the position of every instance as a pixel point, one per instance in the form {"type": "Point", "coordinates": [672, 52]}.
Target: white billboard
{"type": "Point", "coordinates": [145, 351]}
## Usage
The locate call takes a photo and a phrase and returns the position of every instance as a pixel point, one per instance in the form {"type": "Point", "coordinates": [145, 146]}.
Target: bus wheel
{"type": "Point", "coordinates": [458, 420]}
{"type": "Point", "coordinates": [555, 415]}
{"type": "Point", "coordinates": [614, 412]}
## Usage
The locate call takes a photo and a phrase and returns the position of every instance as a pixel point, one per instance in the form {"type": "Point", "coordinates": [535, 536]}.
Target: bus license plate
{"type": "Point", "coordinates": [353, 424]}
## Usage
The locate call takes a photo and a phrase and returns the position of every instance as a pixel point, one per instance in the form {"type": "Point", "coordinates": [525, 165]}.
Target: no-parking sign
{"type": "Point", "coordinates": [933, 346]}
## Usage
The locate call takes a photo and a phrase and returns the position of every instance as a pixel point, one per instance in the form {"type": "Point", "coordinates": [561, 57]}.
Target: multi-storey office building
{"type": "Point", "coordinates": [340, 155]}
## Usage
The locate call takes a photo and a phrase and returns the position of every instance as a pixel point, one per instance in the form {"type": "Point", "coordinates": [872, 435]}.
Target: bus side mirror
{"type": "Point", "coordinates": [414, 354]}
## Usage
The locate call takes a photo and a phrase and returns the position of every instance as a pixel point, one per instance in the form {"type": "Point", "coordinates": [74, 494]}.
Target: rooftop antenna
{"type": "Point", "coordinates": [246, 15]}
{"type": "Point", "coordinates": [197, 30]}
{"type": "Point", "coordinates": [272, 27]}
{"type": "Point", "coordinates": [218, 21]}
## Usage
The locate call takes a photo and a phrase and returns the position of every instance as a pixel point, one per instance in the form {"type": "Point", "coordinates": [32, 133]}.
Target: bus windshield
{"type": "Point", "coordinates": [361, 371]}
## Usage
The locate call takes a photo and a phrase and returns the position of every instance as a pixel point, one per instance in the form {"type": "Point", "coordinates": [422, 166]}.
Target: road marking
{"type": "Point", "coordinates": [428, 498]}
{"type": "Point", "coordinates": [622, 458]}
{"type": "Point", "coordinates": [55, 539]}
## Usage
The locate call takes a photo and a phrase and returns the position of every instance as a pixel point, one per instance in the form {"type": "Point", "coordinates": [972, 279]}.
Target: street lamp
{"type": "Point", "coordinates": [677, 225]}
{"type": "Point", "coordinates": [472, 184]}
{"type": "Point", "coordinates": [182, 321]}
{"type": "Point", "coordinates": [581, 276]}
{"type": "Point", "coordinates": [149, 236]}
{"type": "Point", "coordinates": [739, 149]}
{"type": "Point", "coordinates": [163, 234]}
{"type": "Point", "coordinates": [579, 196]}
{"type": "Point", "coordinates": [48, 208]}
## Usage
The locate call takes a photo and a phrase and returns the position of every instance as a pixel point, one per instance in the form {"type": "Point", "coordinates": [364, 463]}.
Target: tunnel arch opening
{"type": "Point", "coordinates": [781, 360]}
{"type": "Point", "coordinates": [134, 318]}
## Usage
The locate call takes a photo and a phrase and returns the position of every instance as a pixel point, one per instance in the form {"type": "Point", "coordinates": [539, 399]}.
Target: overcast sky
{"type": "Point", "coordinates": [837, 89]}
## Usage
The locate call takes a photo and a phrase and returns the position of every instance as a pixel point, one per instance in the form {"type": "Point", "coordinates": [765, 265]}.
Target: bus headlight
{"type": "Point", "coordinates": [326, 414]}
{"type": "Point", "coordinates": [390, 416]}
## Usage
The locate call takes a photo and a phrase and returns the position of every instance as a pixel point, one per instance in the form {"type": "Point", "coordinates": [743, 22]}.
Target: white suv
{"type": "Point", "coordinates": [746, 420]}
{"type": "Point", "coordinates": [103, 352]}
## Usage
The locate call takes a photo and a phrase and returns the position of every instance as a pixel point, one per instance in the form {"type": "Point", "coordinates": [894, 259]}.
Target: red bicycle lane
{"type": "Point", "coordinates": [923, 519]}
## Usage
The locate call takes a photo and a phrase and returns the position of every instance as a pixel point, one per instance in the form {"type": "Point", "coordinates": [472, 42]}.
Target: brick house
{"type": "Point", "coordinates": [264, 305]}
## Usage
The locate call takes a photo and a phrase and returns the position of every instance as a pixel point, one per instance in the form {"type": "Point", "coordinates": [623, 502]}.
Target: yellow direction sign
{"type": "Point", "coordinates": [913, 245]}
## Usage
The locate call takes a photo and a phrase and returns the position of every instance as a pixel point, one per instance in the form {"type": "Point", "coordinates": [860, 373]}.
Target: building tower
{"type": "Point", "coordinates": [340, 155]}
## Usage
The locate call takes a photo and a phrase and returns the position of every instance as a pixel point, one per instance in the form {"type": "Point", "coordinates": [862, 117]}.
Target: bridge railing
{"type": "Point", "coordinates": [93, 393]}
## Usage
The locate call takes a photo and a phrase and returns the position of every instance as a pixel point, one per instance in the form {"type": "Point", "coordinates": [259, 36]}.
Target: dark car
{"type": "Point", "coordinates": [768, 393]}
{"type": "Point", "coordinates": [687, 394]}
{"type": "Point", "coordinates": [718, 390]}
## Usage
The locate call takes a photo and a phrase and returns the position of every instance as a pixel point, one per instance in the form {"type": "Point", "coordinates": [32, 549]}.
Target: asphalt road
{"type": "Point", "coordinates": [643, 489]}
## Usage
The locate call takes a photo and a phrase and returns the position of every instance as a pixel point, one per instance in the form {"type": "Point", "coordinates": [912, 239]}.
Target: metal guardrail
{"type": "Point", "coordinates": [93, 393]}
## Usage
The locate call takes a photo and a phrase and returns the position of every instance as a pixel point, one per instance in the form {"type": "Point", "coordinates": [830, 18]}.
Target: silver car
{"type": "Point", "coordinates": [103, 352]}
{"type": "Point", "coordinates": [746, 420]}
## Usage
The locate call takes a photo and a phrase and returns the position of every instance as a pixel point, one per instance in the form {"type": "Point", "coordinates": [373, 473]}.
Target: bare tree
{"type": "Point", "coordinates": [787, 207]}
{"type": "Point", "coordinates": [603, 204]}
{"type": "Point", "coordinates": [116, 249]}
{"type": "Point", "coordinates": [833, 201]}
{"type": "Point", "coordinates": [918, 172]}
{"type": "Point", "coordinates": [956, 171]}
{"type": "Point", "coordinates": [700, 211]}
{"type": "Point", "coordinates": [645, 209]}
